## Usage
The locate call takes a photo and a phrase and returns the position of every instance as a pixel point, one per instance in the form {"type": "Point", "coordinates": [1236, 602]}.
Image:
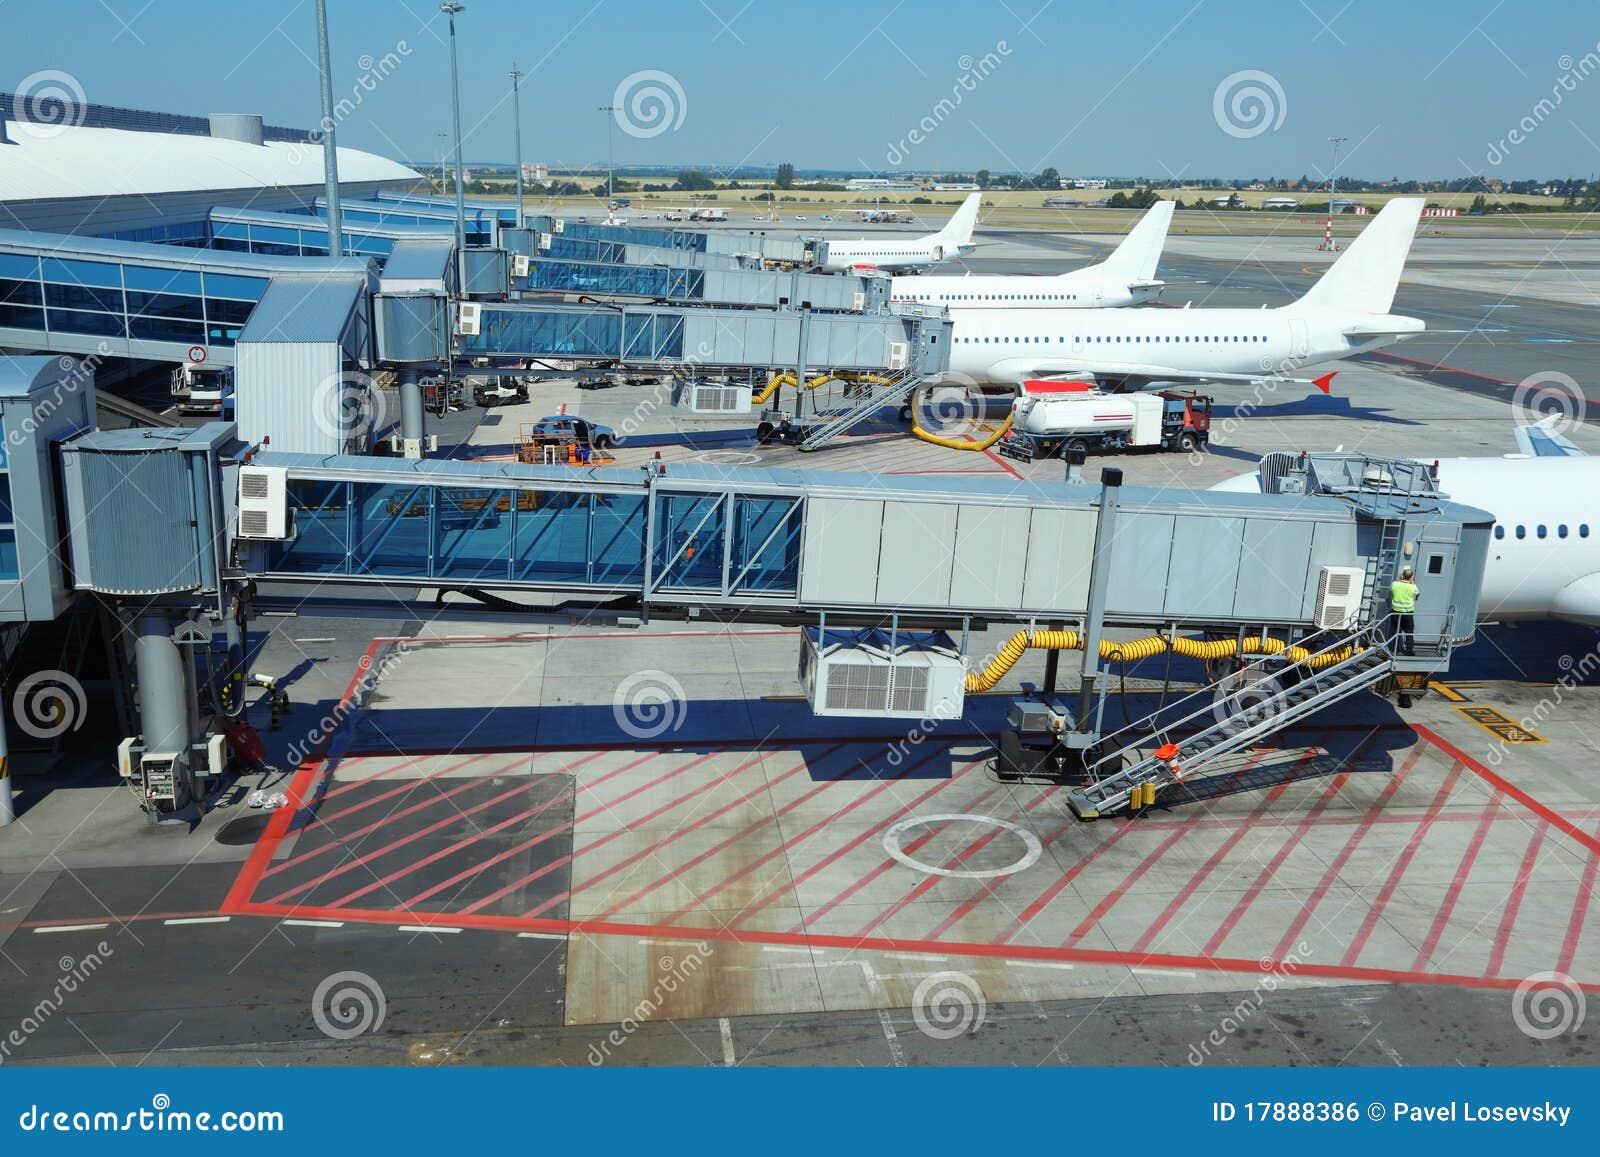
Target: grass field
{"type": "Point", "coordinates": [1025, 209]}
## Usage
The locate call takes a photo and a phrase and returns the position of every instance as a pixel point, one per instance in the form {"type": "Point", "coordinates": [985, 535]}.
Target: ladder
{"type": "Point", "coordinates": [897, 391]}
{"type": "Point", "coordinates": [1380, 565]}
{"type": "Point", "coordinates": [1235, 714]}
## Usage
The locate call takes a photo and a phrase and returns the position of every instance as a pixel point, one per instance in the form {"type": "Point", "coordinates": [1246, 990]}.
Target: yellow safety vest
{"type": "Point", "coordinates": [1403, 596]}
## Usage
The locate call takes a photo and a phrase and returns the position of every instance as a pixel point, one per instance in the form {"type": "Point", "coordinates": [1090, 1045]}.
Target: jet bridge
{"type": "Point", "coordinates": [738, 287]}
{"type": "Point", "coordinates": [174, 530]}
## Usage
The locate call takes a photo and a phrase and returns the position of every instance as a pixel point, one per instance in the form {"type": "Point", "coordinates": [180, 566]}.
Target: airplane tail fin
{"type": "Point", "coordinates": [1365, 276]}
{"type": "Point", "coordinates": [959, 229]}
{"type": "Point", "coordinates": [1140, 251]}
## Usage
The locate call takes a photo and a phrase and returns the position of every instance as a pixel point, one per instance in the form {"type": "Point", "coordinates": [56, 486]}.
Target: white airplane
{"type": "Point", "coordinates": [1346, 312]}
{"type": "Point", "coordinates": [1126, 277]}
{"type": "Point", "coordinates": [952, 241]}
{"type": "Point", "coordinates": [1544, 559]}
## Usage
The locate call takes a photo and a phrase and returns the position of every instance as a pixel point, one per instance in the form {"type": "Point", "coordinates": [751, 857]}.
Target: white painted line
{"type": "Point", "coordinates": [916, 956]}
{"type": "Point", "coordinates": [781, 948]}
{"type": "Point", "coordinates": [541, 936]}
{"type": "Point", "coordinates": [1162, 971]}
{"type": "Point", "coordinates": [426, 928]}
{"type": "Point", "coordinates": [315, 923]}
{"type": "Point", "coordinates": [897, 1055]}
{"type": "Point", "coordinates": [727, 1041]}
{"type": "Point", "coordinates": [73, 928]}
{"type": "Point", "coordinates": [1039, 964]}
{"type": "Point", "coordinates": [327, 639]}
{"type": "Point", "coordinates": [198, 920]}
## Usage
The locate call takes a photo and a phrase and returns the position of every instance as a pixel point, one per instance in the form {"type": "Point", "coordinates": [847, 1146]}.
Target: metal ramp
{"type": "Point", "coordinates": [1170, 746]}
{"type": "Point", "coordinates": [892, 391]}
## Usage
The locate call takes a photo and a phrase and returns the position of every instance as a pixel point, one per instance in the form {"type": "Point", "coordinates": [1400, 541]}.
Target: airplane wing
{"type": "Point", "coordinates": [1130, 376]}
{"type": "Point", "coordinates": [1542, 440]}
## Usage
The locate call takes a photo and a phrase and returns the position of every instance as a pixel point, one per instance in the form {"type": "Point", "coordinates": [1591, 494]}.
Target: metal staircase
{"type": "Point", "coordinates": [892, 392]}
{"type": "Point", "coordinates": [1182, 739]}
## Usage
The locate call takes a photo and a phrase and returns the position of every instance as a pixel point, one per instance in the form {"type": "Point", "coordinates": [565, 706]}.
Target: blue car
{"type": "Point", "coordinates": [591, 434]}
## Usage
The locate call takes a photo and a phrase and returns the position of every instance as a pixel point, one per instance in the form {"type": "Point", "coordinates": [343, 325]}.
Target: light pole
{"type": "Point", "coordinates": [1333, 182]}
{"type": "Point", "coordinates": [330, 151]}
{"type": "Point", "coordinates": [444, 151]}
{"type": "Point", "coordinates": [516, 106]}
{"type": "Point", "coordinates": [450, 8]}
{"type": "Point", "coordinates": [611, 163]}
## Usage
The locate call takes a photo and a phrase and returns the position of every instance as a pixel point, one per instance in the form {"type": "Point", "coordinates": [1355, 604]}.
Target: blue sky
{"type": "Point", "coordinates": [1420, 89]}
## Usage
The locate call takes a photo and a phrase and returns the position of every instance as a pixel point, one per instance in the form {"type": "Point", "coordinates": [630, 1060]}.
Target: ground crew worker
{"type": "Point", "coordinates": [1403, 602]}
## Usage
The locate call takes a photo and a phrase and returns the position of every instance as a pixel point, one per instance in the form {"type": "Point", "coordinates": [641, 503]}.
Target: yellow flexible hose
{"type": "Point", "coordinates": [955, 444]}
{"type": "Point", "coordinates": [788, 380]}
{"type": "Point", "coordinates": [1008, 654]}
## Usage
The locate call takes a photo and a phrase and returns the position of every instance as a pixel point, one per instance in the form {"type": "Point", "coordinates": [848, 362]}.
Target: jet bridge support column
{"type": "Point", "coordinates": [8, 810]}
{"type": "Point", "coordinates": [1094, 619]}
{"type": "Point", "coordinates": [165, 713]}
{"type": "Point", "coordinates": [411, 434]}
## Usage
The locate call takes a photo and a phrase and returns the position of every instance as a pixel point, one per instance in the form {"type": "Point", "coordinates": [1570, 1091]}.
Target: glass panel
{"type": "Point", "coordinates": [72, 321]}
{"type": "Point", "coordinates": [165, 329]}
{"type": "Point", "coordinates": [149, 280]}
{"type": "Point", "coordinates": [552, 537]}
{"type": "Point", "coordinates": [166, 305]}
{"type": "Point", "coordinates": [12, 265]}
{"type": "Point", "coordinates": [474, 533]}
{"type": "Point", "coordinates": [618, 538]}
{"type": "Point", "coordinates": [227, 285]}
{"type": "Point", "coordinates": [5, 498]}
{"type": "Point", "coordinates": [234, 312]}
{"type": "Point", "coordinates": [773, 566]}
{"type": "Point", "coordinates": [321, 516]}
{"type": "Point", "coordinates": [83, 297]}
{"type": "Point", "coordinates": [82, 272]}
{"type": "Point", "coordinates": [689, 546]}
{"type": "Point", "coordinates": [21, 317]}
{"type": "Point", "coordinates": [8, 554]}
{"type": "Point", "coordinates": [21, 292]}
{"type": "Point", "coordinates": [390, 534]}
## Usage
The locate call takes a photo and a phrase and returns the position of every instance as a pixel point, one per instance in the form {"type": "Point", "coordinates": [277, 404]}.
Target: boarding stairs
{"type": "Point", "coordinates": [888, 390]}
{"type": "Point", "coordinates": [1182, 739]}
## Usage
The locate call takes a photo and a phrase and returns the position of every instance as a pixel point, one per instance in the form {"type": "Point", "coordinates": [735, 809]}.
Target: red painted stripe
{"type": "Point", "coordinates": [1506, 787]}
{"type": "Point", "coordinates": [476, 870]}
{"type": "Point", "coordinates": [355, 783]}
{"type": "Point", "coordinates": [1407, 854]}
{"type": "Point", "coordinates": [657, 782]}
{"type": "Point", "coordinates": [1192, 885]}
{"type": "Point", "coordinates": [608, 837]}
{"type": "Point", "coordinates": [351, 864]}
{"type": "Point", "coordinates": [966, 908]}
{"type": "Point", "coordinates": [787, 846]}
{"type": "Point", "coordinates": [388, 817]}
{"type": "Point", "coordinates": [1580, 909]}
{"type": "Point", "coordinates": [678, 833]}
{"type": "Point", "coordinates": [1109, 900]}
{"type": "Point", "coordinates": [1303, 917]}
{"type": "Point", "coordinates": [792, 887]}
{"type": "Point", "coordinates": [816, 914]}
{"type": "Point", "coordinates": [1457, 882]}
{"type": "Point", "coordinates": [928, 883]}
{"type": "Point", "coordinates": [1264, 877]}
{"type": "Point", "coordinates": [1519, 888]}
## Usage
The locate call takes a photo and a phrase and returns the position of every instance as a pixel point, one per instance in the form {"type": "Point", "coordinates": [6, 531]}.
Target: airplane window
{"type": "Point", "coordinates": [1499, 532]}
{"type": "Point", "coordinates": [1541, 530]}
{"type": "Point", "coordinates": [1522, 532]}
{"type": "Point", "coordinates": [1583, 530]}
{"type": "Point", "coordinates": [1561, 531]}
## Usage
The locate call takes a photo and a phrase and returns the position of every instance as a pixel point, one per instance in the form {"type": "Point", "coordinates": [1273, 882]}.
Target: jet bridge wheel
{"type": "Point", "coordinates": [765, 433]}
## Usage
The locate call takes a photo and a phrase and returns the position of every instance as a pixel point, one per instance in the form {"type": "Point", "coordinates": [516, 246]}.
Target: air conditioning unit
{"type": "Point", "coordinates": [558, 226]}
{"type": "Point", "coordinates": [712, 398]}
{"type": "Point", "coordinates": [264, 504]}
{"type": "Point", "coordinates": [544, 242]}
{"type": "Point", "coordinates": [468, 317]}
{"type": "Point", "coordinates": [858, 673]}
{"type": "Point", "coordinates": [899, 354]}
{"type": "Point", "coordinates": [858, 302]}
{"type": "Point", "coordinates": [1339, 597]}
{"type": "Point", "coordinates": [521, 264]}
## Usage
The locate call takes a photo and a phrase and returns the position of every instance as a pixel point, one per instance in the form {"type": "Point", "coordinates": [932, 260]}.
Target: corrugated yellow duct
{"type": "Point", "coordinates": [788, 380]}
{"type": "Point", "coordinates": [1006, 657]}
{"type": "Point", "coordinates": [955, 444]}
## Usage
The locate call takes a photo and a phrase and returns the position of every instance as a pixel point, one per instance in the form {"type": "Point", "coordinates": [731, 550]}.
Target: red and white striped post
{"type": "Point", "coordinates": [1327, 236]}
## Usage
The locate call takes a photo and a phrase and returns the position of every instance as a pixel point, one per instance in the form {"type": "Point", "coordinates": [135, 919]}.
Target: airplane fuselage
{"type": "Point", "coordinates": [891, 255]}
{"type": "Point", "coordinates": [1080, 289]}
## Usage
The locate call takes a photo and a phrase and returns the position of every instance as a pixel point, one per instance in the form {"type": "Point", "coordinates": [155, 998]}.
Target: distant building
{"type": "Point", "coordinates": [1280, 203]}
{"type": "Point", "coordinates": [876, 184]}
{"type": "Point", "coordinates": [1062, 203]}
{"type": "Point", "coordinates": [538, 174]}
{"type": "Point", "coordinates": [1084, 182]}
{"type": "Point", "coordinates": [956, 187]}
